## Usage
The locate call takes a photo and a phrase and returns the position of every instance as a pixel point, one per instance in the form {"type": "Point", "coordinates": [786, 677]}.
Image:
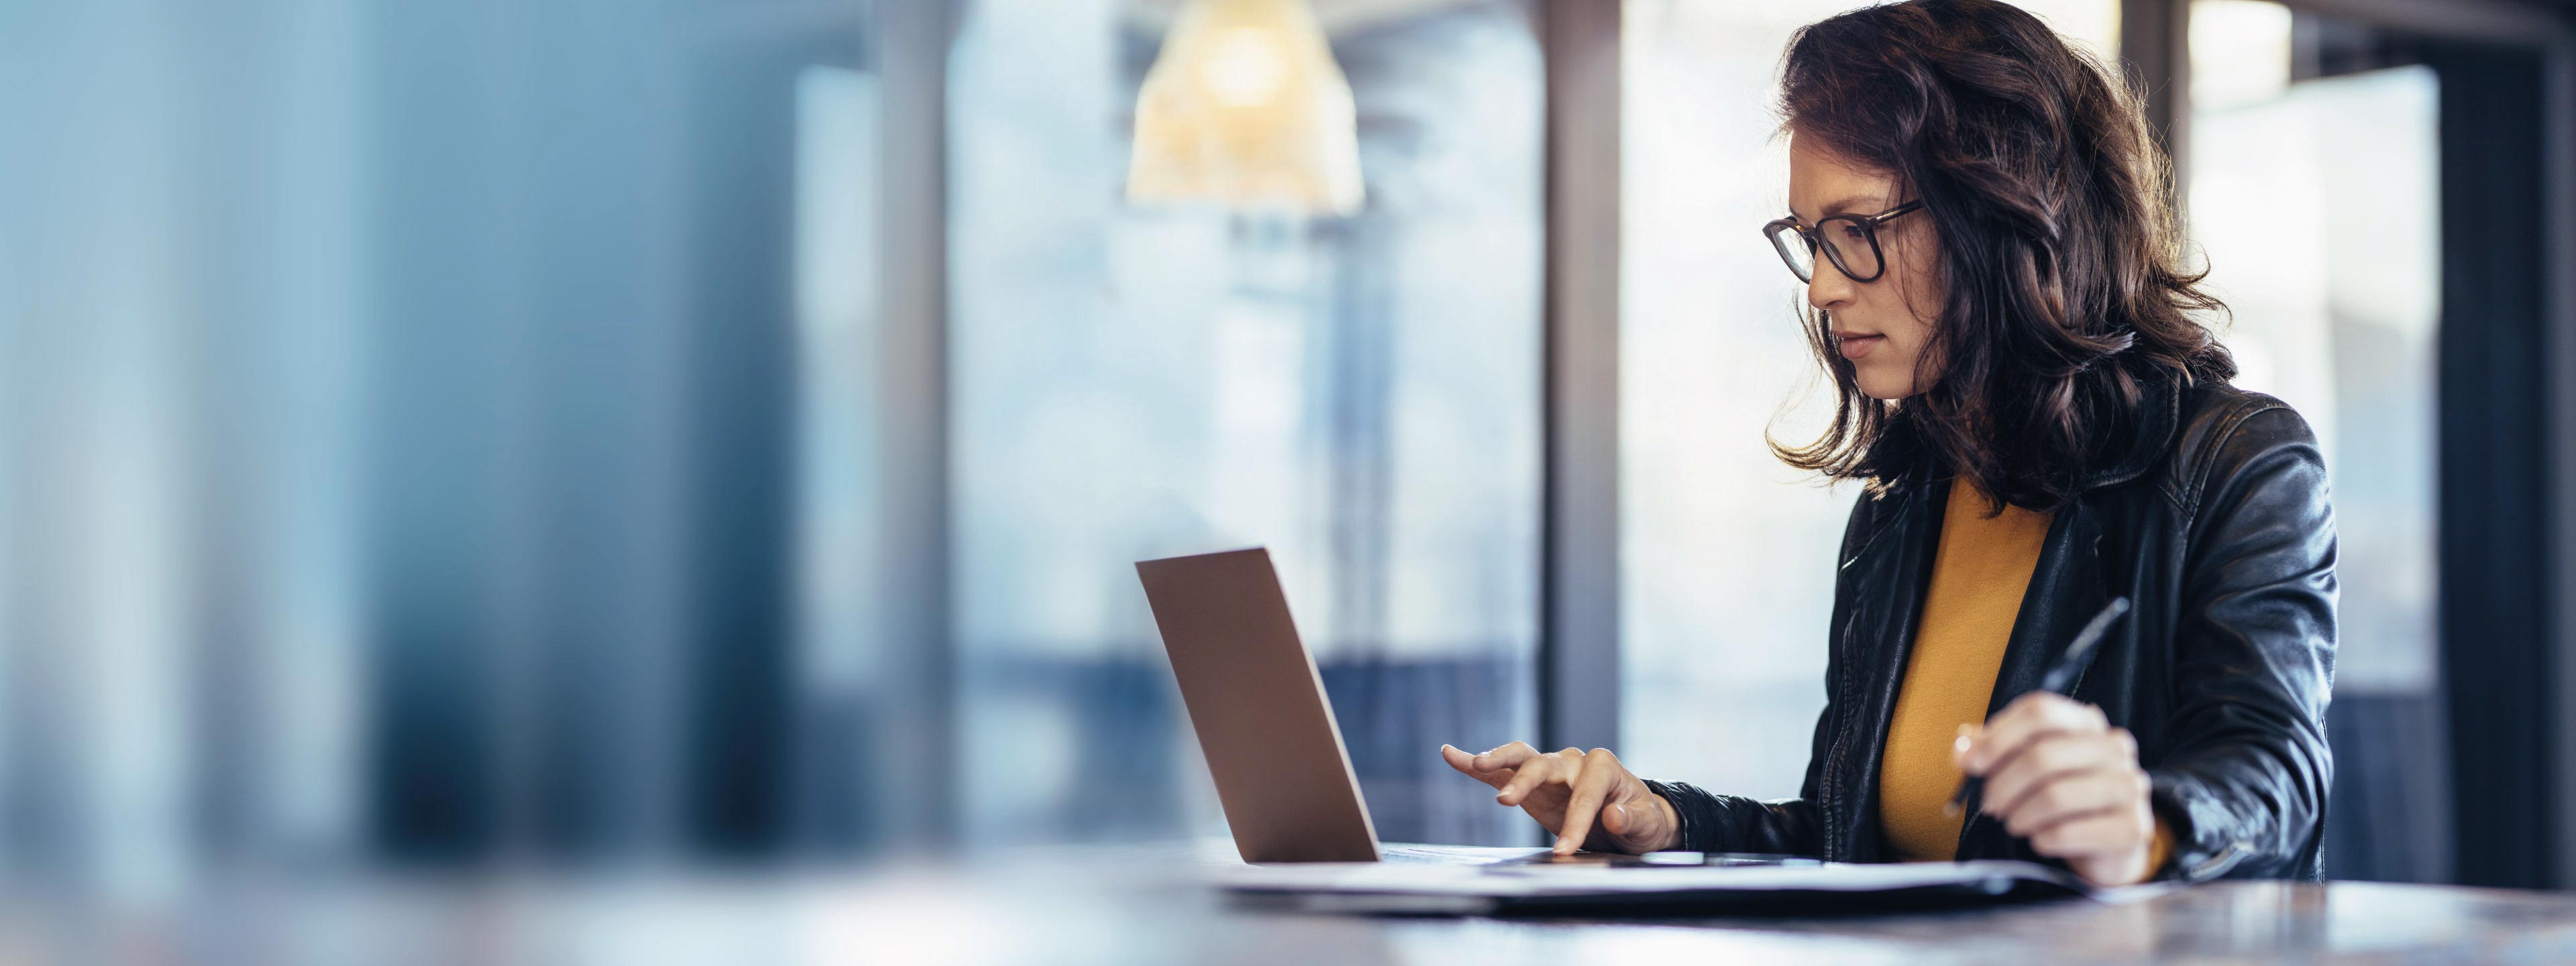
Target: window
{"type": "Point", "coordinates": [2314, 190]}
{"type": "Point", "coordinates": [837, 669]}
{"type": "Point", "coordinates": [1361, 395]}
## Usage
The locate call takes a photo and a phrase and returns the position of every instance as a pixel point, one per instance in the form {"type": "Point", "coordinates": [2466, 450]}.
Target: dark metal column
{"type": "Point", "coordinates": [913, 55]}
{"type": "Point", "coordinates": [2155, 40]}
{"type": "Point", "coordinates": [1579, 583]}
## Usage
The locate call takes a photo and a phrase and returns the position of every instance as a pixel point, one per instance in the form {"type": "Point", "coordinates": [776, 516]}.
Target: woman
{"type": "Point", "coordinates": [2042, 426]}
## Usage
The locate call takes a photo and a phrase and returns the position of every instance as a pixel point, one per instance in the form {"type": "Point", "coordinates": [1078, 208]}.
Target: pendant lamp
{"type": "Point", "coordinates": [1245, 108]}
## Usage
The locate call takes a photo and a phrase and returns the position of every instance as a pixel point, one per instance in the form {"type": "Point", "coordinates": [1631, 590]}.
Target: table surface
{"type": "Point", "coordinates": [1070, 908]}
{"type": "Point", "coordinates": [2223, 922]}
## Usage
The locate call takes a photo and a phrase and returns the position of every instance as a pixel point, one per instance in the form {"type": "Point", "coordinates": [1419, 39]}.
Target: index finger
{"type": "Point", "coordinates": [1591, 786]}
{"type": "Point", "coordinates": [2027, 718]}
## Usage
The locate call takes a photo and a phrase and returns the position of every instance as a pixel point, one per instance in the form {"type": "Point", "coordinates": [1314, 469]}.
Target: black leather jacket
{"type": "Point", "coordinates": [2216, 525]}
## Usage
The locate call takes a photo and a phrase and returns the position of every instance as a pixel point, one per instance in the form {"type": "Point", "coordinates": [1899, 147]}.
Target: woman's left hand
{"type": "Point", "coordinates": [2059, 775]}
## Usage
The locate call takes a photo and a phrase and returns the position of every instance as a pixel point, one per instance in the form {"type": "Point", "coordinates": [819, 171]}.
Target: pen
{"type": "Point", "coordinates": [2060, 676]}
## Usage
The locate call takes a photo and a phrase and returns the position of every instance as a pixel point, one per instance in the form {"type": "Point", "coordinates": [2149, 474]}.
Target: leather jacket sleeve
{"type": "Point", "coordinates": [1733, 823]}
{"type": "Point", "coordinates": [2242, 778]}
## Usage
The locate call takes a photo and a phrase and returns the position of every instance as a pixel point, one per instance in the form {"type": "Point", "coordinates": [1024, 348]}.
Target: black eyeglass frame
{"type": "Point", "coordinates": [1814, 237]}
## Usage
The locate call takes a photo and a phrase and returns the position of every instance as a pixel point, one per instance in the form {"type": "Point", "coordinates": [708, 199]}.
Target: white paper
{"type": "Point", "coordinates": [1522, 881]}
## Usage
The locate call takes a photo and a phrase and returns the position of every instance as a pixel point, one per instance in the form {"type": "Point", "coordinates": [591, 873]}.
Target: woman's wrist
{"type": "Point", "coordinates": [1673, 837]}
{"type": "Point", "coordinates": [1676, 827]}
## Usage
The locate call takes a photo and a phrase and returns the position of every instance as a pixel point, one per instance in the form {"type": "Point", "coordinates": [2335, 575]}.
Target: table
{"type": "Point", "coordinates": [1034, 918]}
{"type": "Point", "coordinates": [1073, 908]}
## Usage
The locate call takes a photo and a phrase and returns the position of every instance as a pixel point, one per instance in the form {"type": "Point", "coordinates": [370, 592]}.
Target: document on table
{"type": "Point", "coordinates": [1411, 887]}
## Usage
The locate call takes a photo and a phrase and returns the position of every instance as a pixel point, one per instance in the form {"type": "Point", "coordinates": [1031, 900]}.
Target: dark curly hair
{"type": "Point", "coordinates": [2063, 262]}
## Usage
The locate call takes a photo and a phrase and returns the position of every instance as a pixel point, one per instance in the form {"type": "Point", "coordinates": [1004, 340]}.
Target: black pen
{"type": "Point", "coordinates": [2060, 676]}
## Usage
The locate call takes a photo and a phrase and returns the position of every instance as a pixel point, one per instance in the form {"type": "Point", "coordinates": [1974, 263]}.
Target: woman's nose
{"type": "Point", "coordinates": [1829, 289]}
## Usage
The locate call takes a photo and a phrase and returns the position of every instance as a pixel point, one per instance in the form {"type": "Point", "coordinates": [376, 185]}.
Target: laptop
{"type": "Point", "coordinates": [1257, 702]}
{"type": "Point", "coordinates": [1302, 825]}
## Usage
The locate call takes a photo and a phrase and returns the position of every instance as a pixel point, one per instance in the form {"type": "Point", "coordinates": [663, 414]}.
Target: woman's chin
{"type": "Point", "coordinates": [1883, 389]}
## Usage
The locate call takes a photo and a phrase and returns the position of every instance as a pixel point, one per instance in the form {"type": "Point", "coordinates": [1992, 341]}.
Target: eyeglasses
{"type": "Point", "coordinates": [1851, 241]}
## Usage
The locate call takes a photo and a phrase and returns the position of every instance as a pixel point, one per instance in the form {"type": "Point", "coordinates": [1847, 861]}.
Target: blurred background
{"type": "Point", "coordinates": [716, 433]}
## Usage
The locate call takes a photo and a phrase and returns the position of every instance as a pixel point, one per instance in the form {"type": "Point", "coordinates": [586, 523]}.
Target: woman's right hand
{"type": "Point", "coordinates": [1588, 800]}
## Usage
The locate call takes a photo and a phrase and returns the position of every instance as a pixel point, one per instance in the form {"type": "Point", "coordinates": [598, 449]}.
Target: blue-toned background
{"type": "Point", "coordinates": [621, 434]}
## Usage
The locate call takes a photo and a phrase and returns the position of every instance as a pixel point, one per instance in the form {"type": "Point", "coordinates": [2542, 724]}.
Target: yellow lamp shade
{"type": "Point", "coordinates": [1246, 108]}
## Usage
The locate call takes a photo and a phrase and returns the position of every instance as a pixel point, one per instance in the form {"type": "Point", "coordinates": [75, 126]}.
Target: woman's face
{"type": "Point", "coordinates": [1876, 324]}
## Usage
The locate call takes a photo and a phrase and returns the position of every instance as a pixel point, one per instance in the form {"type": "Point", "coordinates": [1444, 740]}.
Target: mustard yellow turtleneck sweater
{"type": "Point", "coordinates": [1978, 576]}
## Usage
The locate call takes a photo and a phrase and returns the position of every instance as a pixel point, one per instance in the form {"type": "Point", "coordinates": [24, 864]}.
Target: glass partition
{"type": "Point", "coordinates": [2315, 193]}
{"type": "Point", "coordinates": [1360, 395]}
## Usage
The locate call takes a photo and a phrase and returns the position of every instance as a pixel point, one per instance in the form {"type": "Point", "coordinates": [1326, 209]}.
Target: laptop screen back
{"type": "Point", "coordinates": [1258, 705]}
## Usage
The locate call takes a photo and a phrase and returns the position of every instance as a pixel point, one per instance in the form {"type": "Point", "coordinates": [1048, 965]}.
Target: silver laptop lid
{"type": "Point", "coordinates": [1258, 705]}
